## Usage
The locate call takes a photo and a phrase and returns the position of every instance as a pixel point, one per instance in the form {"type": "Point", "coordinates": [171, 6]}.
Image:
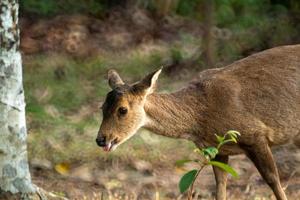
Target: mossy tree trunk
{"type": "Point", "coordinates": [14, 171]}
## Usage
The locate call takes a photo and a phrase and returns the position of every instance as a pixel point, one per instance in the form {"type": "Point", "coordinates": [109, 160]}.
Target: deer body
{"type": "Point", "coordinates": [259, 96]}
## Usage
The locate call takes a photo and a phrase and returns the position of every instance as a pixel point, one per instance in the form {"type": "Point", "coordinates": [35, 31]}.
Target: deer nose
{"type": "Point", "coordinates": [101, 141]}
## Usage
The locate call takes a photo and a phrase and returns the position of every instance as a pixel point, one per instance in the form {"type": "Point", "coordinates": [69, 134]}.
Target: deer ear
{"type": "Point", "coordinates": [114, 80]}
{"type": "Point", "coordinates": [147, 84]}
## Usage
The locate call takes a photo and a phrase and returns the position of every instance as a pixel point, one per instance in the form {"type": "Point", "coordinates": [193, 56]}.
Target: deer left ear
{"type": "Point", "coordinates": [114, 80]}
{"type": "Point", "coordinates": [147, 85]}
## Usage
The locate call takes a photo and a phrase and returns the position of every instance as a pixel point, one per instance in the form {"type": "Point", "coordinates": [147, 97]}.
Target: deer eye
{"type": "Point", "coordinates": [122, 110]}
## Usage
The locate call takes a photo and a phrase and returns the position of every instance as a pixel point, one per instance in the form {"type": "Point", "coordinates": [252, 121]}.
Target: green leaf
{"type": "Point", "coordinates": [225, 167]}
{"type": "Point", "coordinates": [233, 140]}
{"type": "Point", "coordinates": [219, 138]}
{"type": "Point", "coordinates": [180, 163]}
{"type": "Point", "coordinates": [186, 180]}
{"type": "Point", "coordinates": [233, 133]}
{"type": "Point", "coordinates": [211, 152]}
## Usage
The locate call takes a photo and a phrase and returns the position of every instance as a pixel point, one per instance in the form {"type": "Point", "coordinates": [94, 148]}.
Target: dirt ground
{"type": "Point", "coordinates": [147, 182]}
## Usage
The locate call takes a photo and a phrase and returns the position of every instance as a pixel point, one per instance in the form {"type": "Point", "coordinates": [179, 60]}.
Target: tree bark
{"type": "Point", "coordinates": [14, 171]}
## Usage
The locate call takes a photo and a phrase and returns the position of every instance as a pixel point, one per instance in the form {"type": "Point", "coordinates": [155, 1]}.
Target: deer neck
{"type": "Point", "coordinates": [172, 115]}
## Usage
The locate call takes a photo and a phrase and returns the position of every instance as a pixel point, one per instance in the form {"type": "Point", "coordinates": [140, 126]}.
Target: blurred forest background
{"type": "Point", "coordinates": [67, 48]}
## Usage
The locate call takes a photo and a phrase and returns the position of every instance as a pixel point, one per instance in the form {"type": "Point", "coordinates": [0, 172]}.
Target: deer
{"type": "Point", "coordinates": [258, 96]}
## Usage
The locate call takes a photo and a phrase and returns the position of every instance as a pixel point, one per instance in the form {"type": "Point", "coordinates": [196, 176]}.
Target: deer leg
{"type": "Point", "coordinates": [262, 157]}
{"type": "Point", "coordinates": [221, 178]}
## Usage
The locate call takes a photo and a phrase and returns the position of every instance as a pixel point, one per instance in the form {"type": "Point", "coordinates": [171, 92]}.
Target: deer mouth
{"type": "Point", "coordinates": [110, 145]}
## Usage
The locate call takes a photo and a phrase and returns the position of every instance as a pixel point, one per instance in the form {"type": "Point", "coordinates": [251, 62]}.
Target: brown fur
{"type": "Point", "coordinates": [259, 96]}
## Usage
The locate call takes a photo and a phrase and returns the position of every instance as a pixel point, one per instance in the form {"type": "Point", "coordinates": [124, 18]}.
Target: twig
{"type": "Point", "coordinates": [190, 194]}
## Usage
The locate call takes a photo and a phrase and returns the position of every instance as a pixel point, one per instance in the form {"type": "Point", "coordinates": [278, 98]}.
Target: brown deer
{"type": "Point", "coordinates": [259, 96]}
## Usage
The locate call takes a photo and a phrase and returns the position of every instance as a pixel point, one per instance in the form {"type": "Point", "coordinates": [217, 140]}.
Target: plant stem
{"type": "Point", "coordinates": [190, 194]}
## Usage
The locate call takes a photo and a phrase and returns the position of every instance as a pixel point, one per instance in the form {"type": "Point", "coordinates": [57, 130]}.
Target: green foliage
{"type": "Point", "coordinates": [249, 23]}
{"type": "Point", "coordinates": [225, 167]}
{"type": "Point", "coordinates": [209, 153]}
{"type": "Point", "coordinates": [41, 7]}
{"type": "Point", "coordinates": [187, 8]}
{"type": "Point", "coordinates": [52, 7]}
{"type": "Point", "coordinates": [187, 179]}
{"type": "Point", "coordinates": [232, 138]}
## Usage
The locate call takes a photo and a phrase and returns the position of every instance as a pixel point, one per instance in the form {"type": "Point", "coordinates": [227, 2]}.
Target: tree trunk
{"type": "Point", "coordinates": [15, 178]}
{"type": "Point", "coordinates": [208, 40]}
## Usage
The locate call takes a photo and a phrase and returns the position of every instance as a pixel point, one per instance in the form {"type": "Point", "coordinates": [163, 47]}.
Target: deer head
{"type": "Point", "coordinates": [123, 109]}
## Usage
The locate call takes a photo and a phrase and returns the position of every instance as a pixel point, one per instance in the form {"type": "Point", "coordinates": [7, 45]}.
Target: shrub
{"type": "Point", "coordinates": [209, 154]}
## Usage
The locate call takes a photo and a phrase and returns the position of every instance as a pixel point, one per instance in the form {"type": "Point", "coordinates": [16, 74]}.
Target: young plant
{"type": "Point", "coordinates": [187, 180]}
